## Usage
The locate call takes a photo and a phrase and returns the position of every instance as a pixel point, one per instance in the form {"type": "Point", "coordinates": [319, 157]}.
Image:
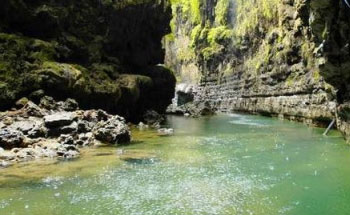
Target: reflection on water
{"type": "Point", "coordinates": [227, 164]}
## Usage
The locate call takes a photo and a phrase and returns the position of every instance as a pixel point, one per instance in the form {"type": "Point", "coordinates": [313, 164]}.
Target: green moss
{"type": "Point", "coordinates": [261, 58]}
{"type": "Point", "coordinates": [221, 12]}
{"type": "Point", "coordinates": [190, 9]}
{"type": "Point", "coordinates": [219, 35]}
{"type": "Point", "coordinates": [252, 13]}
{"type": "Point", "coordinates": [210, 51]}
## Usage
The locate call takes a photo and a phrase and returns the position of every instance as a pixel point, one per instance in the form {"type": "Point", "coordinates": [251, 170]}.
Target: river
{"type": "Point", "coordinates": [225, 164]}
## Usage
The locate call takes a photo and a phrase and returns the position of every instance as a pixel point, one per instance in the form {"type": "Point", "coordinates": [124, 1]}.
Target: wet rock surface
{"type": "Point", "coordinates": [40, 132]}
{"type": "Point", "coordinates": [184, 102]}
{"type": "Point", "coordinates": [293, 65]}
{"type": "Point", "coordinates": [152, 118]}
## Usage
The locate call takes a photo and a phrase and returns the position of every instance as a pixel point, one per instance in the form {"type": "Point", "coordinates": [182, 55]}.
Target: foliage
{"type": "Point", "coordinates": [252, 13]}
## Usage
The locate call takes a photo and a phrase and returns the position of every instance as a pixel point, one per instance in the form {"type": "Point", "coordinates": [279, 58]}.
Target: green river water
{"type": "Point", "coordinates": [226, 164]}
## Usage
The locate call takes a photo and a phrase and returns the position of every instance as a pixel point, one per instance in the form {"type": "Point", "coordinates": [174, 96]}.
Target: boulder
{"type": "Point", "coordinates": [48, 103]}
{"type": "Point", "coordinates": [69, 129]}
{"type": "Point", "coordinates": [85, 139]}
{"type": "Point", "coordinates": [59, 119]}
{"type": "Point", "coordinates": [66, 140]}
{"type": "Point", "coordinates": [4, 164]}
{"type": "Point", "coordinates": [7, 156]}
{"type": "Point", "coordinates": [152, 118]}
{"type": "Point", "coordinates": [96, 116]}
{"type": "Point", "coordinates": [21, 102]}
{"type": "Point", "coordinates": [142, 126]}
{"type": "Point", "coordinates": [28, 154]}
{"type": "Point", "coordinates": [31, 109]}
{"type": "Point", "coordinates": [37, 95]}
{"type": "Point", "coordinates": [112, 131]}
{"type": "Point", "coordinates": [84, 126]}
{"type": "Point", "coordinates": [23, 125]}
{"type": "Point", "coordinates": [70, 105]}
{"type": "Point", "coordinates": [39, 130]}
{"type": "Point", "coordinates": [67, 151]}
{"type": "Point", "coordinates": [10, 138]}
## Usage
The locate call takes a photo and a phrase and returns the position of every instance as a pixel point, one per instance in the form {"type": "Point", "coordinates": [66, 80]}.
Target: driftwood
{"type": "Point", "coordinates": [329, 127]}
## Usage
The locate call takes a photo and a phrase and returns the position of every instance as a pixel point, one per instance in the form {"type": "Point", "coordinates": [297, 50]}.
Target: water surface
{"type": "Point", "coordinates": [227, 164]}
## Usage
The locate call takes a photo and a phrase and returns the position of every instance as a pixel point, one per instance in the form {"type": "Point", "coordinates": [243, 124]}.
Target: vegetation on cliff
{"type": "Point", "coordinates": [97, 52]}
{"type": "Point", "coordinates": [265, 48]}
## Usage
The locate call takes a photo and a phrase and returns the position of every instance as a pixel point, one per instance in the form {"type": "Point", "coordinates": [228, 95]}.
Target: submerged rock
{"type": "Point", "coordinates": [142, 126]}
{"type": "Point", "coordinates": [152, 118]}
{"type": "Point", "coordinates": [165, 131]}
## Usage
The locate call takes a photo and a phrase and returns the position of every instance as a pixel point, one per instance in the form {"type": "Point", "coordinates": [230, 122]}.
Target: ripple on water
{"type": "Point", "coordinates": [165, 189]}
{"type": "Point", "coordinates": [212, 169]}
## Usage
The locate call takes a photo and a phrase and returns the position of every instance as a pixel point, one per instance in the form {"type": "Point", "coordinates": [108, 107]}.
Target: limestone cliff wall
{"type": "Point", "coordinates": [102, 53]}
{"type": "Point", "coordinates": [288, 58]}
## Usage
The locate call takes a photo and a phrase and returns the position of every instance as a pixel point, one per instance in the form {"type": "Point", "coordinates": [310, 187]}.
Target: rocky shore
{"type": "Point", "coordinates": [184, 102]}
{"type": "Point", "coordinates": [53, 129]}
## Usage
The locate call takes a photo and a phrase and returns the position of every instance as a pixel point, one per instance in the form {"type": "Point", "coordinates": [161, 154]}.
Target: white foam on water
{"type": "Point", "coordinates": [246, 120]}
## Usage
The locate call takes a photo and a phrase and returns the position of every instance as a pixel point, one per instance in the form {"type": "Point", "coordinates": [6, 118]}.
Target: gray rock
{"type": "Point", "coordinates": [24, 125]}
{"type": "Point", "coordinates": [103, 115]}
{"type": "Point", "coordinates": [69, 129]}
{"type": "Point", "coordinates": [84, 126]}
{"type": "Point", "coordinates": [165, 131]}
{"type": "Point", "coordinates": [66, 140]}
{"type": "Point", "coordinates": [71, 154]}
{"type": "Point", "coordinates": [32, 109]}
{"type": "Point", "coordinates": [8, 121]}
{"type": "Point", "coordinates": [37, 95]}
{"type": "Point", "coordinates": [48, 103]}
{"type": "Point", "coordinates": [67, 151]}
{"type": "Point", "coordinates": [113, 131]}
{"type": "Point", "coordinates": [70, 105]}
{"type": "Point", "coordinates": [28, 154]}
{"type": "Point", "coordinates": [4, 164]}
{"type": "Point", "coordinates": [152, 118]}
{"type": "Point", "coordinates": [39, 130]}
{"type": "Point", "coordinates": [85, 139]}
{"type": "Point", "coordinates": [59, 119]}
{"type": "Point", "coordinates": [7, 155]}
{"type": "Point", "coordinates": [142, 126]}
{"type": "Point", "coordinates": [10, 138]}
{"type": "Point", "coordinates": [21, 102]}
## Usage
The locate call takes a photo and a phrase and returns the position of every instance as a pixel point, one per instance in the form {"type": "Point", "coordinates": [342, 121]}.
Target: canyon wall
{"type": "Point", "coordinates": [103, 53]}
{"type": "Point", "coordinates": [287, 58]}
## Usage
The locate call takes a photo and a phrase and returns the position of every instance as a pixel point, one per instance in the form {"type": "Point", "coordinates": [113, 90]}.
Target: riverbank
{"type": "Point", "coordinates": [52, 129]}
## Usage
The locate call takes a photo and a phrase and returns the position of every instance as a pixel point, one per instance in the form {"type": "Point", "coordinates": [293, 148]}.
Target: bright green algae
{"type": "Point", "coordinates": [227, 164]}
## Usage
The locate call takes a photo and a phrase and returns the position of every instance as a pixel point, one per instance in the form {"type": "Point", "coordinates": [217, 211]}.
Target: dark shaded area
{"type": "Point", "coordinates": [102, 53]}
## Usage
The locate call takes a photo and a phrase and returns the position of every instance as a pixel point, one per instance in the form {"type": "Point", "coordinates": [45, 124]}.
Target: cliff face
{"type": "Point", "coordinates": [102, 53]}
{"type": "Point", "coordinates": [289, 58]}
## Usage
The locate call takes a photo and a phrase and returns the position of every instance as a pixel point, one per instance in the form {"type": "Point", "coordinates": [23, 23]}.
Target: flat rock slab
{"type": "Point", "coordinates": [59, 119]}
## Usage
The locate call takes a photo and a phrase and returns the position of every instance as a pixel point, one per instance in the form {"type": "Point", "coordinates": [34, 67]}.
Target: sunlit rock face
{"type": "Point", "coordinates": [102, 53]}
{"type": "Point", "coordinates": [286, 58]}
